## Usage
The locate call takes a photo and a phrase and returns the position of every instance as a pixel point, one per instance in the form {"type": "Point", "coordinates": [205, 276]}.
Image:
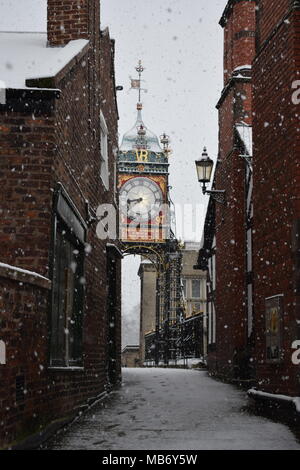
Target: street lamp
{"type": "Point", "coordinates": [204, 168]}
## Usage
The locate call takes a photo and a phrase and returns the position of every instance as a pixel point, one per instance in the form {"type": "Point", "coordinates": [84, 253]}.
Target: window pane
{"type": "Point", "coordinates": [196, 289]}
{"type": "Point", "coordinates": [58, 308]}
{"type": "Point", "coordinates": [75, 325]}
{"type": "Point", "coordinates": [67, 308]}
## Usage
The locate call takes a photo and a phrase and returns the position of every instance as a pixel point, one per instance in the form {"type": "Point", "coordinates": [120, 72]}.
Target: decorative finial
{"type": "Point", "coordinates": [140, 69]}
{"type": "Point", "coordinates": [205, 154]}
{"type": "Point", "coordinates": [165, 141]}
{"type": "Point", "coordinates": [141, 131]}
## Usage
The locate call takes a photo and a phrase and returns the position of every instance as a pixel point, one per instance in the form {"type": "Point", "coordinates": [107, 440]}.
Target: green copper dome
{"type": "Point", "coordinates": [140, 137]}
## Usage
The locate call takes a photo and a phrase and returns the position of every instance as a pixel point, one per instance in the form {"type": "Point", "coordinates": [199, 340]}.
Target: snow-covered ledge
{"type": "Point", "coordinates": [284, 399]}
{"type": "Point", "coordinates": [24, 276]}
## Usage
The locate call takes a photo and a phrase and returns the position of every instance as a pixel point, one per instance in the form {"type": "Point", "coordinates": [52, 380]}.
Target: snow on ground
{"type": "Point", "coordinates": [174, 409]}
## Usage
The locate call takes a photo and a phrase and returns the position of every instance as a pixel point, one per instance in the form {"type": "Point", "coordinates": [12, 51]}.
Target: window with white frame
{"type": "Point", "coordinates": [104, 151]}
{"type": "Point", "coordinates": [195, 289]}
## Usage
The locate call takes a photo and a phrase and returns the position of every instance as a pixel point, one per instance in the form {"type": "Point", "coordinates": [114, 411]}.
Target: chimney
{"type": "Point", "coordinates": [72, 19]}
{"type": "Point", "coordinates": [239, 24]}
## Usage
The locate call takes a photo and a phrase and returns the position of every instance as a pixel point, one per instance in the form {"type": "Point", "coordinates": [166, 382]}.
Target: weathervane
{"type": "Point", "coordinates": [136, 84]}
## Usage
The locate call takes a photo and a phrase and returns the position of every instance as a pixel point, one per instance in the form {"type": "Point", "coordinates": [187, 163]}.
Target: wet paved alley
{"type": "Point", "coordinates": [171, 409]}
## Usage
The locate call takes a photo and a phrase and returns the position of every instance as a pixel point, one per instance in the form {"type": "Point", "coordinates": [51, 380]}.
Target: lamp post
{"type": "Point", "coordinates": [204, 168]}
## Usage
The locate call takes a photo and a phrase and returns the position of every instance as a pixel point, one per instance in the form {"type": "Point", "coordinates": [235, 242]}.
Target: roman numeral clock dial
{"type": "Point", "coordinates": [140, 199]}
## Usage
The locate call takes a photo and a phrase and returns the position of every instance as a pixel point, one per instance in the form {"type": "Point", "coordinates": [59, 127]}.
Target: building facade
{"type": "Point", "coordinates": [60, 283]}
{"type": "Point", "coordinates": [226, 252]}
{"type": "Point", "coordinates": [251, 243]}
{"type": "Point", "coordinates": [276, 196]}
{"type": "Point", "coordinates": [131, 356]}
{"type": "Point", "coordinates": [194, 283]}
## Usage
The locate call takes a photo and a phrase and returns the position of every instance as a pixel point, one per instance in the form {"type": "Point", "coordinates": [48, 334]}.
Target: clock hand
{"type": "Point", "coordinates": [130, 201]}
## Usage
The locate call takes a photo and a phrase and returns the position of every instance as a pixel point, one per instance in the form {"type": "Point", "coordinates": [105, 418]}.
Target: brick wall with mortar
{"type": "Point", "coordinates": [72, 19]}
{"type": "Point", "coordinates": [48, 141]}
{"type": "Point", "coordinates": [238, 21]}
{"type": "Point", "coordinates": [234, 107]}
{"type": "Point", "coordinates": [27, 145]}
{"type": "Point", "coordinates": [276, 187]}
{"type": "Point", "coordinates": [24, 314]}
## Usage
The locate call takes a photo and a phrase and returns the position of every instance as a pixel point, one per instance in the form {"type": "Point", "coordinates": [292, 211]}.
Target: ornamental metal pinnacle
{"type": "Point", "coordinates": [140, 69]}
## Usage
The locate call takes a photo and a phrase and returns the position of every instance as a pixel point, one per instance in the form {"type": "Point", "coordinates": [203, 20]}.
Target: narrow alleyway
{"type": "Point", "coordinates": [165, 409]}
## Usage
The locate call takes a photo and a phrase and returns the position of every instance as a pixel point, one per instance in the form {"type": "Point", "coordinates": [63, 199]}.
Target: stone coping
{"type": "Point", "coordinates": [24, 276]}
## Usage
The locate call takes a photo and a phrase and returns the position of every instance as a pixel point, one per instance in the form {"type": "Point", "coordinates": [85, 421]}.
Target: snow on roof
{"type": "Point", "coordinates": [26, 56]}
{"type": "Point", "coordinates": [245, 133]}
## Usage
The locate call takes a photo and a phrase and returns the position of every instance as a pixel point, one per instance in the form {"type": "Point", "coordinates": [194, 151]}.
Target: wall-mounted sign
{"type": "Point", "coordinates": [274, 313]}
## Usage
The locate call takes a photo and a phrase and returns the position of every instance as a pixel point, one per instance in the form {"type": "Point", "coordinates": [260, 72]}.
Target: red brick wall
{"type": "Point", "coordinates": [230, 262]}
{"type": "Point", "coordinates": [276, 189]}
{"type": "Point", "coordinates": [62, 145]}
{"type": "Point", "coordinates": [27, 146]}
{"type": "Point", "coordinates": [72, 19]}
{"type": "Point", "coordinates": [234, 107]}
{"type": "Point", "coordinates": [270, 14]}
{"type": "Point", "coordinates": [24, 312]}
{"type": "Point", "coordinates": [239, 37]}
{"type": "Point", "coordinates": [77, 166]}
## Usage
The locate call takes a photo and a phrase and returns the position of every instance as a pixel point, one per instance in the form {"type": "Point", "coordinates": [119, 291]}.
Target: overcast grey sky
{"type": "Point", "coordinates": [181, 45]}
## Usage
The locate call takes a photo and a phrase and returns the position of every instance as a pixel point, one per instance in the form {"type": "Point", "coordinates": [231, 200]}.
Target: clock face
{"type": "Point", "coordinates": [140, 199]}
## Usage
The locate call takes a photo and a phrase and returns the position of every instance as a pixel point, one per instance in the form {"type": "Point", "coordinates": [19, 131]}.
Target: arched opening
{"type": "Point", "coordinates": [139, 303]}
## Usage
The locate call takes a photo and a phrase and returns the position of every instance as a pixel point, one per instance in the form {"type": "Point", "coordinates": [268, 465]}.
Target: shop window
{"type": "Point", "coordinates": [68, 286]}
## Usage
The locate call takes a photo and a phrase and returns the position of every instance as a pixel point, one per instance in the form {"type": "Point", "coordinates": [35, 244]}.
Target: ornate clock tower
{"type": "Point", "coordinates": [145, 228]}
{"type": "Point", "coordinates": [143, 170]}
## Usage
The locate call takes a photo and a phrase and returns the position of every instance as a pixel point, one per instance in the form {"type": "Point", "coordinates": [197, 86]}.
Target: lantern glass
{"type": "Point", "coordinates": [204, 168]}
